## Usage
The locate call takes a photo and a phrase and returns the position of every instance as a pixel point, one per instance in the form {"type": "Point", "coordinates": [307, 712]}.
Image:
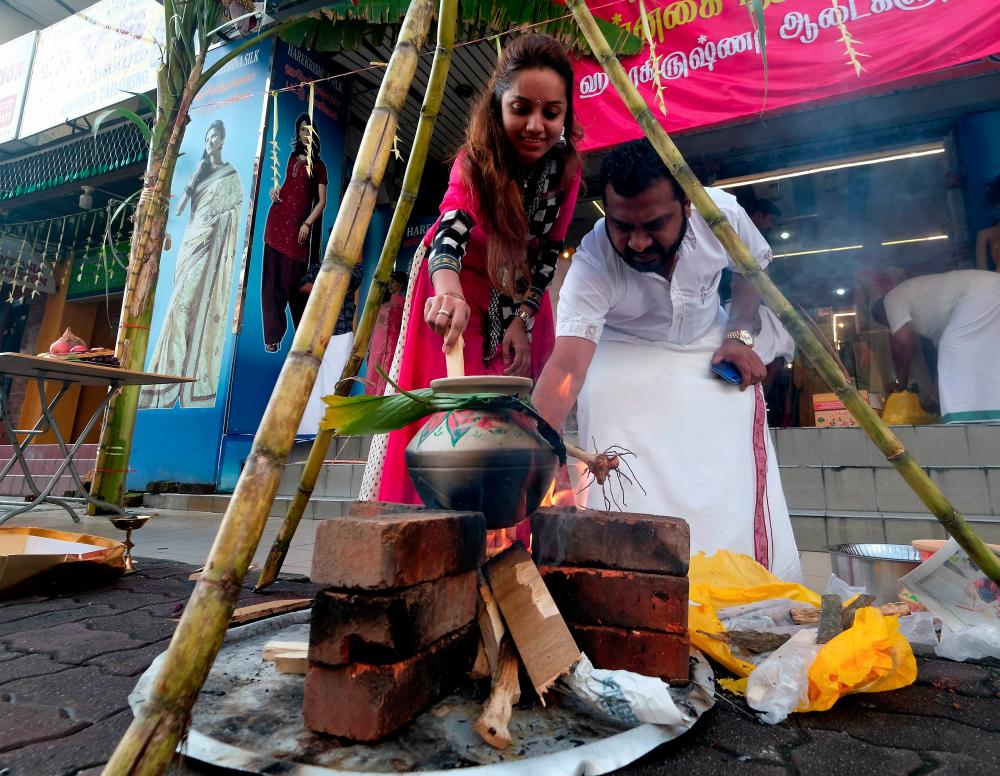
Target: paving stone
{"type": "Point", "coordinates": [86, 692]}
{"type": "Point", "coordinates": [960, 678]}
{"type": "Point", "coordinates": [843, 446]}
{"type": "Point", "coordinates": [80, 754]}
{"type": "Point", "coordinates": [131, 662]}
{"type": "Point", "coordinates": [850, 489]}
{"type": "Point", "coordinates": [390, 551]}
{"type": "Point", "coordinates": [72, 643]}
{"type": "Point", "coordinates": [352, 627]}
{"type": "Point", "coordinates": [951, 764]}
{"type": "Point", "coordinates": [932, 702]}
{"type": "Point", "coordinates": [803, 487]}
{"type": "Point", "coordinates": [613, 540]}
{"type": "Point", "coordinates": [685, 755]}
{"type": "Point", "coordinates": [840, 755]}
{"type": "Point", "coordinates": [965, 488]}
{"type": "Point", "coordinates": [644, 652]}
{"type": "Point", "coordinates": [800, 447]}
{"type": "Point", "coordinates": [626, 599]}
{"type": "Point", "coordinates": [366, 702]}
{"type": "Point", "coordinates": [984, 444]}
{"type": "Point", "coordinates": [28, 664]}
{"type": "Point", "coordinates": [73, 612]}
{"type": "Point", "coordinates": [26, 723]}
{"type": "Point", "coordinates": [912, 730]}
{"type": "Point", "coordinates": [144, 625]}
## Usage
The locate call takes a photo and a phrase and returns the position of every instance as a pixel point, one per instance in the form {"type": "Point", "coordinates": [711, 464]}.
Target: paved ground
{"type": "Point", "coordinates": [68, 663]}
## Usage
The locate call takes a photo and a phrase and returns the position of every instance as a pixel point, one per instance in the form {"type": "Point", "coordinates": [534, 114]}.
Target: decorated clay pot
{"type": "Point", "coordinates": [489, 461]}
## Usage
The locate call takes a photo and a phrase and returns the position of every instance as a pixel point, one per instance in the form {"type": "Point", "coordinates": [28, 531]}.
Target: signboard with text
{"type": "Point", "coordinates": [711, 68]}
{"type": "Point", "coordinates": [92, 60]}
{"type": "Point", "coordinates": [15, 65]}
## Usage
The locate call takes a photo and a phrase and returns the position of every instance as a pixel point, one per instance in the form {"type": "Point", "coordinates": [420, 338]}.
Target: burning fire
{"type": "Point", "coordinates": [560, 494]}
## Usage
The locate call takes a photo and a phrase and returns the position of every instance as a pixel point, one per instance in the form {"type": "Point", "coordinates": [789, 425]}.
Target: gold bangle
{"type": "Point", "coordinates": [454, 294]}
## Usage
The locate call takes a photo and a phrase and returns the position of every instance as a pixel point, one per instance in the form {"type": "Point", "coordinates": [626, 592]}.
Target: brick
{"type": "Point", "coordinates": [379, 628]}
{"type": "Point", "coordinates": [379, 508]}
{"type": "Point", "coordinates": [641, 651]}
{"type": "Point", "coordinates": [368, 702]}
{"type": "Point", "coordinates": [613, 540]}
{"type": "Point", "coordinates": [390, 551]}
{"type": "Point", "coordinates": [625, 599]}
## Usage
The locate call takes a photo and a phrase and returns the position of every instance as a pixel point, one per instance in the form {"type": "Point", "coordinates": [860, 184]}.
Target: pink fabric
{"type": "Point", "coordinates": [423, 359]}
{"type": "Point", "coordinates": [712, 71]}
{"type": "Point", "coordinates": [383, 344]}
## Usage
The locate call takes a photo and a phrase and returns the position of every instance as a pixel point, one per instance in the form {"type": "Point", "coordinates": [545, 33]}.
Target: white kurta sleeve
{"type": "Point", "coordinates": [586, 294]}
{"type": "Point", "coordinates": [751, 237]}
{"type": "Point", "coordinates": [897, 309]}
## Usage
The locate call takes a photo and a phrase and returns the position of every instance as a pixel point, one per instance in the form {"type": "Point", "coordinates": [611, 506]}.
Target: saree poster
{"type": "Point", "coordinates": [256, 369]}
{"type": "Point", "coordinates": [178, 427]}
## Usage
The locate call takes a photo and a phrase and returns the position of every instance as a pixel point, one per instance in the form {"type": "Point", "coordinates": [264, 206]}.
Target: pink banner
{"type": "Point", "coordinates": [711, 69]}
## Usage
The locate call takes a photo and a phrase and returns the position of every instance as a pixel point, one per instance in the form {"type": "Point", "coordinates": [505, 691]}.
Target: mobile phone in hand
{"type": "Point", "coordinates": [727, 371]}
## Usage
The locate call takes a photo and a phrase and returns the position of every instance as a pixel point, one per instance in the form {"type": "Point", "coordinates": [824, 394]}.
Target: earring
{"type": "Point", "coordinates": [561, 142]}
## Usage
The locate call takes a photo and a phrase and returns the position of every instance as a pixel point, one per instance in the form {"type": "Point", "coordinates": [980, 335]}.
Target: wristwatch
{"type": "Point", "coordinates": [526, 318]}
{"type": "Point", "coordinates": [742, 335]}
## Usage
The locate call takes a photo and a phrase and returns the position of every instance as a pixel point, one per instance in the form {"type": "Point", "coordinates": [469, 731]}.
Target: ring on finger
{"type": "Point", "coordinates": [445, 312]}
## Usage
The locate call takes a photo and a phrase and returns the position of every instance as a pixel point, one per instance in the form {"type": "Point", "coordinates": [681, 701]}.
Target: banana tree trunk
{"type": "Point", "coordinates": [143, 269]}
{"type": "Point", "coordinates": [149, 744]}
{"type": "Point", "coordinates": [447, 19]}
{"type": "Point", "coordinates": [805, 340]}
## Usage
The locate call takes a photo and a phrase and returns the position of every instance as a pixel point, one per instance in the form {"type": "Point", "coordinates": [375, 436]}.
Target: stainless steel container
{"type": "Point", "coordinates": [876, 567]}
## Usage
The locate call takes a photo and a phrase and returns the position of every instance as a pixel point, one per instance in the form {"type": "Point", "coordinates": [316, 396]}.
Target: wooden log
{"type": "Point", "coordinates": [494, 723]}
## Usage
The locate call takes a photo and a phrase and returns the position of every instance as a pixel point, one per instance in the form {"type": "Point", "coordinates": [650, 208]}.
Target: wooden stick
{"type": "Point", "coordinates": [830, 622]}
{"type": "Point", "coordinates": [455, 358]}
{"type": "Point", "coordinates": [493, 724]}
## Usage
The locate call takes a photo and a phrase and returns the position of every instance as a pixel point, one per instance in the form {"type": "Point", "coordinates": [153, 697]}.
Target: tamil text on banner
{"type": "Point", "coordinates": [711, 69]}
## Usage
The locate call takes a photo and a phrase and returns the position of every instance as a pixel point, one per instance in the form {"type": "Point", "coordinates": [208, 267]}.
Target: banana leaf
{"type": "Point", "coordinates": [368, 415]}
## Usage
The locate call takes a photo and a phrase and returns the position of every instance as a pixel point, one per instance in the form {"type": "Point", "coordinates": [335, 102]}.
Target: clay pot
{"type": "Point", "coordinates": [494, 462]}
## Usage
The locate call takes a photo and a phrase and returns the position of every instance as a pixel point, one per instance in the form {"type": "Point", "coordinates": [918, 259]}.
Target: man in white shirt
{"type": "Point", "coordinates": [639, 328]}
{"type": "Point", "coordinates": [960, 312]}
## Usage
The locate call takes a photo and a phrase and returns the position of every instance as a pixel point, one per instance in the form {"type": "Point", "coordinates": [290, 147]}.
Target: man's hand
{"type": "Point", "coordinates": [743, 357]}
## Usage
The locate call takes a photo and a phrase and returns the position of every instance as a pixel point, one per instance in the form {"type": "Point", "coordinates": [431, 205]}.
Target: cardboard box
{"type": "Point", "coordinates": [31, 554]}
{"type": "Point", "coordinates": [831, 412]}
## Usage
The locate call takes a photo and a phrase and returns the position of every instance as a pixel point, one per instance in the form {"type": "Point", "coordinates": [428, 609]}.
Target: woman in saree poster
{"type": "Point", "coordinates": [194, 331]}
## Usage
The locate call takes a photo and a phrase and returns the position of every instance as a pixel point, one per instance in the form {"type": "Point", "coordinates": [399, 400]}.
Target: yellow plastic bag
{"type": "Point", "coordinates": [903, 409]}
{"type": "Point", "coordinates": [871, 656]}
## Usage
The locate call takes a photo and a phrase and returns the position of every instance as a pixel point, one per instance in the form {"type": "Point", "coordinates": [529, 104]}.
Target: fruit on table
{"type": "Point", "coordinates": [66, 343]}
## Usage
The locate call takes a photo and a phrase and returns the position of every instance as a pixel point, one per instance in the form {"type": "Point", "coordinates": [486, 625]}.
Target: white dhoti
{"type": "Point", "coordinates": [702, 449]}
{"type": "Point", "coordinates": [336, 355]}
{"type": "Point", "coordinates": [968, 362]}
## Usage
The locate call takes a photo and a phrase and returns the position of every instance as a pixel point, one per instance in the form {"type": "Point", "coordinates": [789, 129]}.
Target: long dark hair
{"type": "Point", "coordinates": [205, 165]}
{"type": "Point", "coordinates": [490, 162]}
{"type": "Point", "coordinates": [298, 147]}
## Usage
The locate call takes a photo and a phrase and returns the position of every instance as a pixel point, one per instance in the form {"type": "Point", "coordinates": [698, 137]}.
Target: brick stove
{"type": "Point", "coordinates": [395, 629]}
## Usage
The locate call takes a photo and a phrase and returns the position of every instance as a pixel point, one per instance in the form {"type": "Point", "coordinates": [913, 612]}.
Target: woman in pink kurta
{"type": "Point", "coordinates": [493, 251]}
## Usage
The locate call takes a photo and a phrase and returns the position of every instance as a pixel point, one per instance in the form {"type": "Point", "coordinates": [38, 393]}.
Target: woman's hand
{"type": "Point", "coordinates": [304, 231]}
{"type": "Point", "coordinates": [275, 194]}
{"type": "Point", "coordinates": [448, 315]}
{"type": "Point", "coordinates": [516, 350]}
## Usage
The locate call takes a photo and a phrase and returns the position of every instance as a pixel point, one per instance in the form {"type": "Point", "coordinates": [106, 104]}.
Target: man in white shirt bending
{"type": "Point", "coordinates": [639, 328]}
{"type": "Point", "coordinates": [960, 312]}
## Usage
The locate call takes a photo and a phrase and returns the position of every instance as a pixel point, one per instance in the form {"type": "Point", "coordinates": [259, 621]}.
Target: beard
{"type": "Point", "coordinates": [656, 258]}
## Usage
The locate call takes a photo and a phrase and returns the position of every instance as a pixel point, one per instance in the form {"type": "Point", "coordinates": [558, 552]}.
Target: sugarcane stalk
{"type": "Point", "coordinates": [151, 740]}
{"type": "Point", "coordinates": [807, 342]}
{"type": "Point", "coordinates": [447, 19]}
{"type": "Point", "coordinates": [179, 80]}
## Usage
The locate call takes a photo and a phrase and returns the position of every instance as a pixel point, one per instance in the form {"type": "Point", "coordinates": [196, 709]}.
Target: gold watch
{"type": "Point", "coordinates": [742, 335]}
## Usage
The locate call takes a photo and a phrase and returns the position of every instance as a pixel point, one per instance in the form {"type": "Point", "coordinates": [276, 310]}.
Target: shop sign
{"type": "Point", "coordinates": [92, 60]}
{"type": "Point", "coordinates": [709, 66]}
{"type": "Point", "coordinates": [15, 65]}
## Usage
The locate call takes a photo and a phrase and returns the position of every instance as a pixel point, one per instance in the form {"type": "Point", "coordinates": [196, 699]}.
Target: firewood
{"type": "Point", "coordinates": [264, 609]}
{"type": "Point", "coordinates": [493, 724]}
{"type": "Point", "coordinates": [491, 625]}
{"type": "Point", "coordinates": [273, 648]}
{"type": "Point", "coordinates": [830, 619]}
{"type": "Point", "coordinates": [751, 641]}
{"type": "Point", "coordinates": [291, 663]}
{"type": "Point", "coordinates": [810, 615]}
{"type": "Point", "coordinates": [847, 616]}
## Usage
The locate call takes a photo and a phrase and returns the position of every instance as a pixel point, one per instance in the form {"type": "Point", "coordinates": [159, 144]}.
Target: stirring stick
{"type": "Point", "coordinates": [455, 358]}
